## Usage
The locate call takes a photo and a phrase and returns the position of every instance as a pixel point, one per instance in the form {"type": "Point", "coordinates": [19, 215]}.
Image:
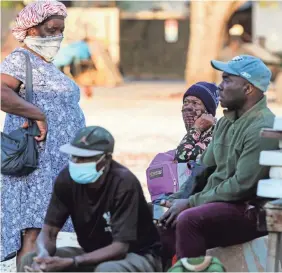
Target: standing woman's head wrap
{"type": "Point", "coordinates": [34, 14]}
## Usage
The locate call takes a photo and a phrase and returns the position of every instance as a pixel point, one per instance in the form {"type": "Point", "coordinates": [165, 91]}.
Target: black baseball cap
{"type": "Point", "coordinates": [90, 141]}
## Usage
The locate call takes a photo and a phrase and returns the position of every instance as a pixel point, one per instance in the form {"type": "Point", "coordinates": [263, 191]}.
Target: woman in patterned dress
{"type": "Point", "coordinates": [199, 108]}
{"type": "Point", "coordinates": [55, 109]}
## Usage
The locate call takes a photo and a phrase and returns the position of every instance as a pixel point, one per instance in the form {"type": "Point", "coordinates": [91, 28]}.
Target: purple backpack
{"type": "Point", "coordinates": [162, 175]}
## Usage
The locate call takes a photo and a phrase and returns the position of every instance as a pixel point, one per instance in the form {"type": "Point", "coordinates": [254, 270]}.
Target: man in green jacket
{"type": "Point", "coordinates": [220, 214]}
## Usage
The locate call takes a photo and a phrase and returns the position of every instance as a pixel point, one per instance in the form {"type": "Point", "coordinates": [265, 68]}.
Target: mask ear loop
{"type": "Point", "coordinates": [100, 159]}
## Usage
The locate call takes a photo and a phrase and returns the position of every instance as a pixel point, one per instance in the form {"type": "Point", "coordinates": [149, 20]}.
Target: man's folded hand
{"type": "Point", "coordinates": [169, 218]}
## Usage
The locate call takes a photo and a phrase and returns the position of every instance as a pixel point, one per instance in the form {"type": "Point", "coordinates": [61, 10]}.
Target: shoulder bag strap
{"type": "Point", "coordinates": [28, 80]}
{"type": "Point", "coordinates": [32, 126]}
{"type": "Point", "coordinates": [28, 84]}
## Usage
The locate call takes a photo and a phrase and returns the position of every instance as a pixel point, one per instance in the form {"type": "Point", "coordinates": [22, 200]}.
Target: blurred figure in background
{"type": "Point", "coordinates": [75, 58]}
{"type": "Point", "coordinates": [71, 55]}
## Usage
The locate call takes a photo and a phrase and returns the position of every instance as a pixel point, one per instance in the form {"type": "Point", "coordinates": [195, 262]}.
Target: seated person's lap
{"type": "Point", "coordinates": [221, 223]}
{"type": "Point", "coordinates": [131, 263]}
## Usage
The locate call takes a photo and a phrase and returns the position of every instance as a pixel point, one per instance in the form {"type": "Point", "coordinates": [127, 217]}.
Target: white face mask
{"type": "Point", "coordinates": [46, 47]}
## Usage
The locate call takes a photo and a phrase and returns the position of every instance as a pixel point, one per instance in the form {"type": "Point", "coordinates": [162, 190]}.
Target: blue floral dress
{"type": "Point", "coordinates": [24, 200]}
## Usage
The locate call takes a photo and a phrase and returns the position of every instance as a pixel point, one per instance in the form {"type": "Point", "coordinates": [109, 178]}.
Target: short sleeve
{"type": "Point", "coordinates": [15, 66]}
{"type": "Point", "coordinates": [124, 218]}
{"type": "Point", "coordinates": [58, 212]}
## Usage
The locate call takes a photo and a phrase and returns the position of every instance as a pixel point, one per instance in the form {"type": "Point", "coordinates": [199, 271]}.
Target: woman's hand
{"type": "Point", "coordinates": [43, 128]}
{"type": "Point", "coordinates": [204, 122]}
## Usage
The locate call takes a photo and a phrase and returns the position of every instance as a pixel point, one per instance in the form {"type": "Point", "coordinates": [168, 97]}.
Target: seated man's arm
{"type": "Point", "coordinates": [56, 216]}
{"type": "Point", "coordinates": [242, 185]}
{"type": "Point", "coordinates": [46, 241]}
{"type": "Point", "coordinates": [45, 248]}
{"type": "Point", "coordinates": [114, 251]}
{"type": "Point", "coordinates": [123, 224]}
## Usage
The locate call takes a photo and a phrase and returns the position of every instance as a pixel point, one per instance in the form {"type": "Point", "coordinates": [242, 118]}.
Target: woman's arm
{"type": "Point", "coordinates": [12, 103]}
{"type": "Point", "coordinates": [196, 140]}
{"type": "Point", "coordinates": [190, 146]}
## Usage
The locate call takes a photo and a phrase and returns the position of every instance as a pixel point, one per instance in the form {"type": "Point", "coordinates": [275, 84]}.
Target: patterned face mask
{"type": "Point", "coordinates": [189, 118]}
{"type": "Point", "coordinates": [46, 47]}
{"type": "Point", "coordinates": [191, 112]}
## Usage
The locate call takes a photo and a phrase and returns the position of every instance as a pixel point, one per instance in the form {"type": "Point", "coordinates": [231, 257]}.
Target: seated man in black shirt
{"type": "Point", "coordinates": [110, 215]}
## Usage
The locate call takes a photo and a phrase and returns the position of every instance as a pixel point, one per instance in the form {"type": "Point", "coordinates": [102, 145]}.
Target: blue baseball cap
{"type": "Point", "coordinates": [248, 67]}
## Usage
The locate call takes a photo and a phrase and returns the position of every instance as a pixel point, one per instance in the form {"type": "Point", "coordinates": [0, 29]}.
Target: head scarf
{"type": "Point", "coordinates": [34, 14]}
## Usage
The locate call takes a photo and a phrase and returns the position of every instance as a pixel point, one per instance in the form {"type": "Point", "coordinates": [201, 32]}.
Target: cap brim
{"type": "Point", "coordinates": [72, 150]}
{"type": "Point", "coordinates": [222, 66]}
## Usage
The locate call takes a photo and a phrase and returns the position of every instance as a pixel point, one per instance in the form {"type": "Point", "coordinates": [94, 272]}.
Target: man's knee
{"type": "Point", "coordinates": [187, 218]}
{"type": "Point", "coordinates": [26, 260]}
{"type": "Point", "coordinates": [111, 266]}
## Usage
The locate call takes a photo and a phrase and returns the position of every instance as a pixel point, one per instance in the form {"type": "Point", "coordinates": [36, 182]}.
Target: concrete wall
{"type": "Point", "coordinates": [146, 54]}
{"type": "Point", "coordinates": [267, 22]}
{"type": "Point", "coordinates": [8, 15]}
{"type": "Point", "coordinates": [100, 24]}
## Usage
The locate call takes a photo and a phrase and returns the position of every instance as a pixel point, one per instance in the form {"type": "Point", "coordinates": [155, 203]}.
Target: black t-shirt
{"type": "Point", "coordinates": [117, 211]}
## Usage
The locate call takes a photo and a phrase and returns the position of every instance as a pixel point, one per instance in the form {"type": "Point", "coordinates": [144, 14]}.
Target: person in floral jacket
{"type": "Point", "coordinates": [198, 111]}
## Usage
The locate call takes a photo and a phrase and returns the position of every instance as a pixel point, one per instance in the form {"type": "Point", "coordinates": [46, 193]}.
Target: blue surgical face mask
{"type": "Point", "coordinates": [85, 173]}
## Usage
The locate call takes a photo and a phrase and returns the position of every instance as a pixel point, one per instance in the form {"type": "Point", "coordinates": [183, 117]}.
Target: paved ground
{"type": "Point", "coordinates": [144, 117]}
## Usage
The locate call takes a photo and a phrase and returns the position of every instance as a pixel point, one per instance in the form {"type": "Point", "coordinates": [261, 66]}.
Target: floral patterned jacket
{"type": "Point", "coordinates": [193, 145]}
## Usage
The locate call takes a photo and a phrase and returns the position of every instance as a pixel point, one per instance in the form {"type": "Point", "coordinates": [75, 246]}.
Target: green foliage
{"type": "Point", "coordinates": [11, 4]}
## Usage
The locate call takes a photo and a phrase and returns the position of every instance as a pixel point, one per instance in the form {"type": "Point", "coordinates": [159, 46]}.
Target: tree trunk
{"type": "Point", "coordinates": [207, 25]}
